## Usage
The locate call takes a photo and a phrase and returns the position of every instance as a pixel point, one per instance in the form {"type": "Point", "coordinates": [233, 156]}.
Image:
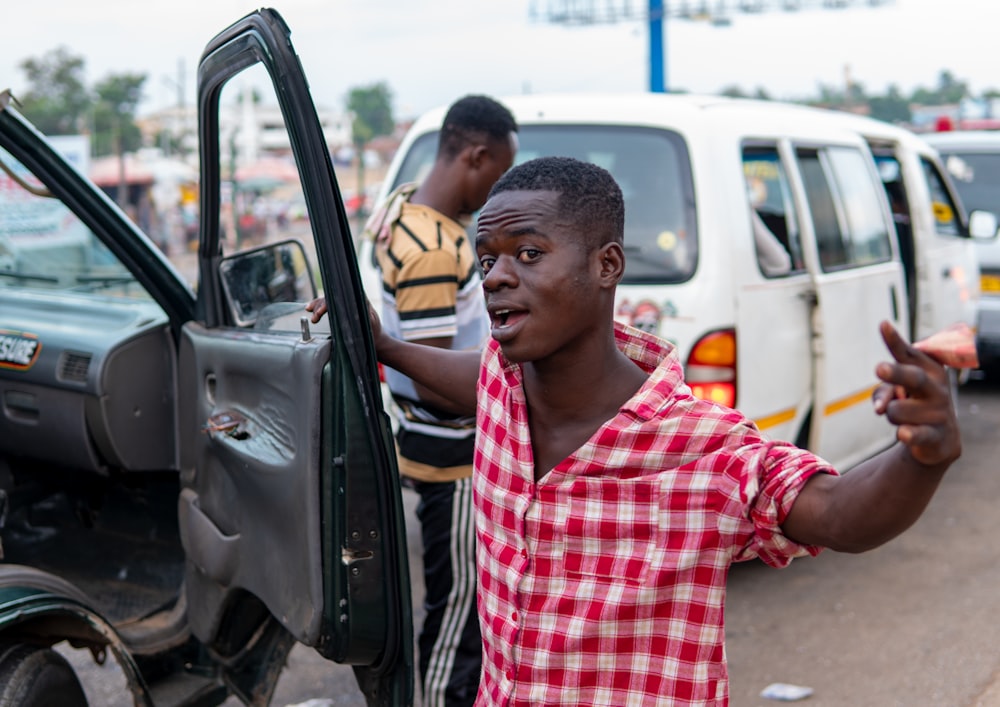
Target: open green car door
{"type": "Point", "coordinates": [290, 499]}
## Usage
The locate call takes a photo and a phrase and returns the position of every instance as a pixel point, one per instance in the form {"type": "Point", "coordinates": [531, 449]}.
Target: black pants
{"type": "Point", "coordinates": [450, 644]}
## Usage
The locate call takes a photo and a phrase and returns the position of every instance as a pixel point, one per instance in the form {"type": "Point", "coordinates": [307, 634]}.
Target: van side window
{"type": "Point", "coordinates": [774, 221]}
{"type": "Point", "coordinates": [843, 197]}
{"type": "Point", "coordinates": [829, 238]}
{"type": "Point", "coordinates": [945, 222]}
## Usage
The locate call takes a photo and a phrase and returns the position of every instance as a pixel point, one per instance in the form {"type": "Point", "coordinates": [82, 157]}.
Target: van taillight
{"type": "Point", "coordinates": [711, 368]}
{"type": "Point", "coordinates": [381, 374]}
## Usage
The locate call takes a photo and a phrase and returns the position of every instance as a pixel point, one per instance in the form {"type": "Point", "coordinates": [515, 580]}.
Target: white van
{"type": "Point", "coordinates": [759, 239]}
{"type": "Point", "coordinates": [972, 157]}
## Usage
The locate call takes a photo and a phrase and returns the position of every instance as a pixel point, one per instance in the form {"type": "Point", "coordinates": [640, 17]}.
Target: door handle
{"type": "Point", "coordinates": [893, 303]}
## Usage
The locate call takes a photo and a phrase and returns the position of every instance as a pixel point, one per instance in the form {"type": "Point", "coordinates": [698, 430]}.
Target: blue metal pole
{"type": "Point", "coordinates": [657, 59]}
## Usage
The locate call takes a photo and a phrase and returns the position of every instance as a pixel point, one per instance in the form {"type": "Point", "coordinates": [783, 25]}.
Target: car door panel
{"type": "Point", "coordinates": [251, 404]}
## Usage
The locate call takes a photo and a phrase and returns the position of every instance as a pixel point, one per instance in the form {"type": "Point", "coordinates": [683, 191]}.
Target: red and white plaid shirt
{"type": "Point", "coordinates": [605, 582]}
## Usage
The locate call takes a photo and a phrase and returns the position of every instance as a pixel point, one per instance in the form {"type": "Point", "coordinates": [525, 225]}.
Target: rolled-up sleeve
{"type": "Point", "coordinates": [772, 476]}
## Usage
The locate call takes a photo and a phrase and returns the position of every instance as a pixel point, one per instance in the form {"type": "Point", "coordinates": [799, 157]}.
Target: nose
{"type": "Point", "coordinates": [501, 274]}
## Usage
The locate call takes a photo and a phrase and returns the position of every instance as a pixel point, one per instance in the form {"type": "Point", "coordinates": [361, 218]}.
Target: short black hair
{"type": "Point", "coordinates": [589, 197]}
{"type": "Point", "coordinates": [473, 118]}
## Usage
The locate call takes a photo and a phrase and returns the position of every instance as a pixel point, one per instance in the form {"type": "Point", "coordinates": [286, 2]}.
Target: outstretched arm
{"type": "Point", "coordinates": [447, 378]}
{"type": "Point", "coordinates": [885, 495]}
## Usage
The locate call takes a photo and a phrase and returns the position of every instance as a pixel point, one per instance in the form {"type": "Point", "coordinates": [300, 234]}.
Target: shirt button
{"type": "Point", "coordinates": [513, 616]}
{"type": "Point", "coordinates": [510, 675]}
{"type": "Point", "coordinates": [524, 552]}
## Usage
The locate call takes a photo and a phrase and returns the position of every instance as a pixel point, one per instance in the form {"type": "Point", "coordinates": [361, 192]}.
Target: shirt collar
{"type": "Point", "coordinates": [656, 356]}
{"type": "Point", "coordinates": [659, 359]}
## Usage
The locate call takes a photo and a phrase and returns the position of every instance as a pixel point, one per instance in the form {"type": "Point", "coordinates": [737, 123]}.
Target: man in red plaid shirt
{"type": "Point", "coordinates": [610, 502]}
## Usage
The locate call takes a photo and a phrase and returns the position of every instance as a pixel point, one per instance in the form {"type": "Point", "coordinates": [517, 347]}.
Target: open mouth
{"type": "Point", "coordinates": [503, 318]}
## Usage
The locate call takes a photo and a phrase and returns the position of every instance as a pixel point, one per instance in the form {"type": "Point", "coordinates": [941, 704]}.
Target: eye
{"type": "Point", "coordinates": [486, 262]}
{"type": "Point", "coordinates": [528, 255]}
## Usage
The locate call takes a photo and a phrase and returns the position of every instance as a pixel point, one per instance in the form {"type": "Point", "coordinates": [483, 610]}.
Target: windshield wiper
{"type": "Point", "coordinates": [29, 276]}
{"type": "Point", "coordinates": [90, 283]}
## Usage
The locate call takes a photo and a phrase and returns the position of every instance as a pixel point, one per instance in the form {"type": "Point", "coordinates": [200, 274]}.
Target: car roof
{"type": "Point", "coordinates": [686, 112]}
{"type": "Point", "coordinates": [985, 140]}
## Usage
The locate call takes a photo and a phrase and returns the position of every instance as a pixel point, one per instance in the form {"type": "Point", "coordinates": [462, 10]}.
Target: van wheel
{"type": "Point", "coordinates": [32, 676]}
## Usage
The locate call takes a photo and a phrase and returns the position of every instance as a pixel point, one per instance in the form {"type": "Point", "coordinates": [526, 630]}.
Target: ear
{"type": "Point", "coordinates": [475, 155]}
{"type": "Point", "coordinates": [611, 261]}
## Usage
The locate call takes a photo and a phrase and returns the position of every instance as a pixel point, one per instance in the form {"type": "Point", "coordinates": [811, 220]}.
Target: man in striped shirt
{"type": "Point", "coordinates": [610, 502]}
{"type": "Point", "coordinates": [432, 295]}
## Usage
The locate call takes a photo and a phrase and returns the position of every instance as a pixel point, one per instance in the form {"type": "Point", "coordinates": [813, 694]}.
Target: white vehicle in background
{"type": "Point", "coordinates": [973, 160]}
{"type": "Point", "coordinates": [760, 240]}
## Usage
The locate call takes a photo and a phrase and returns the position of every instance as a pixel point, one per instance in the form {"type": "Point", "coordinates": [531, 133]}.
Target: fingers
{"type": "Point", "coordinates": [915, 396]}
{"type": "Point", "coordinates": [913, 369]}
{"type": "Point", "coordinates": [883, 395]}
{"type": "Point", "coordinates": [318, 308]}
{"type": "Point", "coordinates": [898, 347]}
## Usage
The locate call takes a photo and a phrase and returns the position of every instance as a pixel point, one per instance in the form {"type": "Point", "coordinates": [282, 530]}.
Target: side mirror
{"type": "Point", "coordinates": [983, 224]}
{"type": "Point", "coordinates": [271, 274]}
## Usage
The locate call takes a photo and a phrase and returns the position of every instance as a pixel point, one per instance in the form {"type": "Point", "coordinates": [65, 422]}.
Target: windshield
{"type": "Point", "coordinates": [651, 167]}
{"type": "Point", "coordinates": [976, 177]}
{"type": "Point", "coordinates": [44, 246]}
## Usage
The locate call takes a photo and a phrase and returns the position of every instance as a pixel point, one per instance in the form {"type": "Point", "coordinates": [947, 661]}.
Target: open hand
{"type": "Point", "coordinates": [916, 397]}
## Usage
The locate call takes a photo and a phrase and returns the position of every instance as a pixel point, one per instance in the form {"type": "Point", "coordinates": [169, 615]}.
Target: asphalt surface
{"type": "Point", "coordinates": [913, 623]}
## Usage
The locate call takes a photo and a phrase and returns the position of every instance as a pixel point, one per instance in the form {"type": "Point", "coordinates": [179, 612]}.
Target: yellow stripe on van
{"type": "Point", "coordinates": [853, 399]}
{"type": "Point", "coordinates": [775, 419]}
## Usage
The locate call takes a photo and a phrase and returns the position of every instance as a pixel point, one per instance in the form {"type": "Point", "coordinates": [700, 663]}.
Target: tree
{"type": "Point", "coordinates": [891, 107]}
{"type": "Point", "coordinates": [57, 100]}
{"type": "Point", "coordinates": [950, 89]}
{"type": "Point", "coordinates": [117, 100]}
{"type": "Point", "coordinates": [371, 107]}
{"type": "Point", "coordinates": [733, 91]}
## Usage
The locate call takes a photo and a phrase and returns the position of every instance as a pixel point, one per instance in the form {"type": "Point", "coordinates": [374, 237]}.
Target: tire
{"type": "Point", "coordinates": [32, 676]}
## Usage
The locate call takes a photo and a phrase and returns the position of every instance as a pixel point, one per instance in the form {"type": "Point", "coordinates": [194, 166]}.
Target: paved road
{"type": "Point", "coordinates": [911, 624]}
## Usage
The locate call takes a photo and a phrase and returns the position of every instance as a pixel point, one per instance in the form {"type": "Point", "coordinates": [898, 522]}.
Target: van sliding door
{"type": "Point", "coordinates": [858, 283]}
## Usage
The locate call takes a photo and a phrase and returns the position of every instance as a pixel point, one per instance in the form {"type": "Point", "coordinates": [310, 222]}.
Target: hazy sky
{"type": "Point", "coordinates": [432, 51]}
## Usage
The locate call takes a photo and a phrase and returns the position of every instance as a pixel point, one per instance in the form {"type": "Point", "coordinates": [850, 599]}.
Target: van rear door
{"type": "Point", "coordinates": [858, 282]}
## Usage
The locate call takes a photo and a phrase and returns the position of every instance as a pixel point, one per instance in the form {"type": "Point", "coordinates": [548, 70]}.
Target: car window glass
{"type": "Point", "coordinates": [976, 177]}
{"type": "Point", "coordinates": [772, 210]}
{"type": "Point", "coordinates": [859, 194]}
{"type": "Point", "coordinates": [653, 170]}
{"type": "Point", "coordinates": [45, 246]}
{"type": "Point", "coordinates": [830, 241]}
{"type": "Point", "coordinates": [261, 195]}
{"type": "Point", "coordinates": [842, 193]}
{"type": "Point", "coordinates": [891, 174]}
{"type": "Point", "coordinates": [945, 221]}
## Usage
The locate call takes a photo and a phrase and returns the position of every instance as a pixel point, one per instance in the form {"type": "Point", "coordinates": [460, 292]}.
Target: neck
{"type": "Point", "coordinates": [439, 193]}
{"type": "Point", "coordinates": [582, 382]}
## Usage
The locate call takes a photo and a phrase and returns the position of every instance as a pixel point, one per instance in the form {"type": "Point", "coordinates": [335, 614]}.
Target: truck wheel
{"type": "Point", "coordinates": [32, 676]}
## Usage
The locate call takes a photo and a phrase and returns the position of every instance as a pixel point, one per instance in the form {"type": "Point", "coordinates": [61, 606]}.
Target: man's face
{"type": "Point", "coordinates": [540, 278]}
